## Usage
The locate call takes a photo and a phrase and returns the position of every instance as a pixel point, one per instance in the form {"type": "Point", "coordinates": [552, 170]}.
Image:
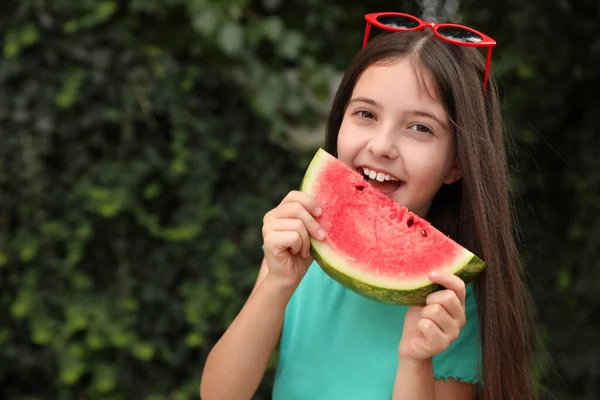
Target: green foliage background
{"type": "Point", "coordinates": [142, 142]}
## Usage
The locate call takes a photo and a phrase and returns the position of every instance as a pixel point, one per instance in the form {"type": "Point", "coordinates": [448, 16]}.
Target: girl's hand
{"type": "Point", "coordinates": [429, 330]}
{"type": "Point", "coordinates": [286, 232]}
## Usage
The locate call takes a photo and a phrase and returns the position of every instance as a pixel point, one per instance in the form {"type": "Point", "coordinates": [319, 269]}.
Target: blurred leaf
{"type": "Point", "coordinates": [3, 259]}
{"type": "Point", "coordinates": [29, 35]}
{"type": "Point", "coordinates": [182, 233]}
{"type": "Point", "coordinates": [12, 46]}
{"type": "Point", "coordinates": [143, 351]}
{"type": "Point", "coordinates": [206, 22]}
{"type": "Point", "coordinates": [71, 369]}
{"type": "Point", "coordinates": [271, 5]}
{"type": "Point", "coordinates": [290, 44]}
{"type": "Point", "coordinates": [105, 10]}
{"type": "Point", "coordinates": [273, 28]}
{"type": "Point", "coordinates": [231, 38]}
{"type": "Point", "coordinates": [70, 90]}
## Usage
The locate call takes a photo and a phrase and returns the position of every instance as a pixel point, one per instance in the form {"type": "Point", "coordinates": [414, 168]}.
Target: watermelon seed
{"type": "Point", "coordinates": [360, 188]}
{"type": "Point", "coordinates": [423, 233]}
{"type": "Point", "coordinates": [410, 222]}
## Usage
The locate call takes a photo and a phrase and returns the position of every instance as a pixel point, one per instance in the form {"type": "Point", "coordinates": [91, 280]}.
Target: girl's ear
{"type": "Point", "coordinates": [454, 174]}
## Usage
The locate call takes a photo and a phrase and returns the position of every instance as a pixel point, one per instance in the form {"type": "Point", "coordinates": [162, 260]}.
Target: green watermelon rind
{"type": "Point", "coordinates": [414, 296]}
{"type": "Point", "coordinates": [409, 292]}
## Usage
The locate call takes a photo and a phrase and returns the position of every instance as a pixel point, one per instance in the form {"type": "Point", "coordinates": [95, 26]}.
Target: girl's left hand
{"type": "Point", "coordinates": [430, 329]}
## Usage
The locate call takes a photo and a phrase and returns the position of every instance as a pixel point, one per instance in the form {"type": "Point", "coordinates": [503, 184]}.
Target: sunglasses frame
{"type": "Point", "coordinates": [486, 41]}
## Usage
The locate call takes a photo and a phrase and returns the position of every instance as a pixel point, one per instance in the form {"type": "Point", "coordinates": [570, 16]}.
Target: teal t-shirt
{"type": "Point", "coordinates": [337, 344]}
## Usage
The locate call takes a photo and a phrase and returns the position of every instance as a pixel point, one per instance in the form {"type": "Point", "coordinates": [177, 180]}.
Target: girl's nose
{"type": "Point", "coordinates": [382, 144]}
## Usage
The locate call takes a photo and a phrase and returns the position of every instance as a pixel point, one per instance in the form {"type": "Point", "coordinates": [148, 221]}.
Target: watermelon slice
{"type": "Point", "coordinates": [375, 246]}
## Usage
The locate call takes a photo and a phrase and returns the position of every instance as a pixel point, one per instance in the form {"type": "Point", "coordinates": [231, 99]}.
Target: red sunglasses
{"type": "Point", "coordinates": [453, 33]}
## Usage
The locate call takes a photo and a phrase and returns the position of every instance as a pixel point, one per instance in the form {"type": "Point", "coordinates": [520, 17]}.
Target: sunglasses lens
{"type": "Point", "coordinates": [398, 21]}
{"type": "Point", "coordinates": [459, 34]}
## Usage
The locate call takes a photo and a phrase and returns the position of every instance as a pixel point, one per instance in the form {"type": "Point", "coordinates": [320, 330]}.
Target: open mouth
{"type": "Point", "coordinates": [382, 181]}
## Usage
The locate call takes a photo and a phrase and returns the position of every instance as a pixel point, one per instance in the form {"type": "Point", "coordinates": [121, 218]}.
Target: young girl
{"type": "Point", "coordinates": [420, 108]}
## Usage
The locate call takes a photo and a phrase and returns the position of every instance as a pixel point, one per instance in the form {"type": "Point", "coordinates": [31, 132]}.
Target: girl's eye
{"type": "Point", "coordinates": [421, 128]}
{"type": "Point", "coordinates": [365, 114]}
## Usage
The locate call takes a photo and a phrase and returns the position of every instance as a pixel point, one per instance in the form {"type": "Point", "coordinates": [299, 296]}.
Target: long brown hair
{"type": "Point", "coordinates": [475, 211]}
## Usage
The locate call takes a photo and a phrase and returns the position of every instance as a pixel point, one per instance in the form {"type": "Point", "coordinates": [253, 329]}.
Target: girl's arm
{"type": "Point", "coordinates": [237, 363]}
{"type": "Point", "coordinates": [414, 381]}
{"type": "Point", "coordinates": [429, 330]}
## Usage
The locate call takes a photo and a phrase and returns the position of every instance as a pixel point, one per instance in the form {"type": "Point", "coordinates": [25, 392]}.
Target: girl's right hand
{"type": "Point", "coordinates": [287, 230]}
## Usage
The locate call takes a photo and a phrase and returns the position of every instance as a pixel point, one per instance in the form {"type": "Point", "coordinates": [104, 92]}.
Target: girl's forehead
{"type": "Point", "coordinates": [398, 83]}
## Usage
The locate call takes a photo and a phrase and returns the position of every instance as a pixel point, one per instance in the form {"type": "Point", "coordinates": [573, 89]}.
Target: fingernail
{"type": "Point", "coordinates": [318, 211]}
{"type": "Point", "coordinates": [435, 274]}
{"type": "Point", "coordinates": [321, 234]}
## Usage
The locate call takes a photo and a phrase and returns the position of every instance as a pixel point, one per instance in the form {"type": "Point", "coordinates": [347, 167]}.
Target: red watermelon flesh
{"type": "Point", "coordinates": [374, 246]}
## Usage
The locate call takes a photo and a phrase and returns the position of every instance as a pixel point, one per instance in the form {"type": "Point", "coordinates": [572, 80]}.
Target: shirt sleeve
{"type": "Point", "coordinates": [462, 360]}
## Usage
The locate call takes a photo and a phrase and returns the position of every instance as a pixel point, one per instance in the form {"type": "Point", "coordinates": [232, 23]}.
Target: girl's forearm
{"type": "Point", "coordinates": [414, 380]}
{"type": "Point", "coordinates": [237, 363]}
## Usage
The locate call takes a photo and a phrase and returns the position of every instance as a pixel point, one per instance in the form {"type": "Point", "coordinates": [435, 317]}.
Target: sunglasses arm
{"type": "Point", "coordinates": [366, 37]}
{"type": "Point", "coordinates": [488, 62]}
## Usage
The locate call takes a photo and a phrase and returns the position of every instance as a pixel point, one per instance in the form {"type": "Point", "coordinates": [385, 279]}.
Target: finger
{"type": "Point", "coordinates": [434, 338]}
{"type": "Point", "coordinates": [295, 225]}
{"type": "Point", "coordinates": [296, 210]}
{"type": "Point", "coordinates": [449, 300]}
{"type": "Point", "coordinates": [438, 314]}
{"type": "Point", "coordinates": [309, 203]}
{"type": "Point", "coordinates": [450, 281]}
{"type": "Point", "coordinates": [284, 241]}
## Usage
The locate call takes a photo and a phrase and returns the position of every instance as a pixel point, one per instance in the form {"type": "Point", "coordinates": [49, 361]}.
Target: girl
{"type": "Point", "coordinates": [420, 108]}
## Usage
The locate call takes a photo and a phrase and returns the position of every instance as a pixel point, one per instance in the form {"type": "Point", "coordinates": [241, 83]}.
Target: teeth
{"type": "Point", "coordinates": [380, 176]}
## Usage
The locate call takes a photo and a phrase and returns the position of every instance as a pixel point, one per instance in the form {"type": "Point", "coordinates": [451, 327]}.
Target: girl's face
{"type": "Point", "coordinates": [395, 132]}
